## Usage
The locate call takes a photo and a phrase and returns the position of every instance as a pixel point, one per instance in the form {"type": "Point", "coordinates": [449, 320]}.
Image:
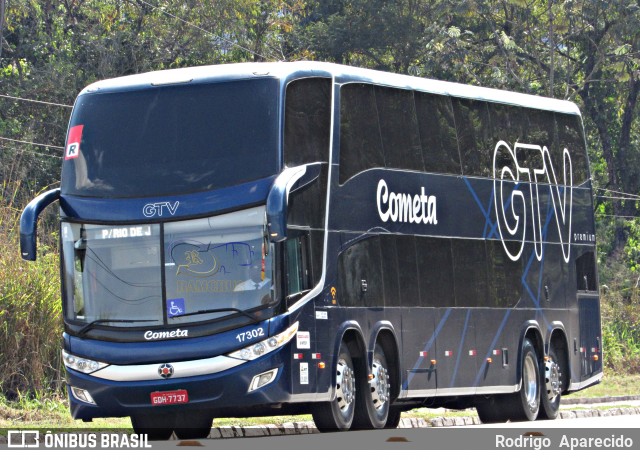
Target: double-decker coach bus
{"type": "Point", "coordinates": [252, 239]}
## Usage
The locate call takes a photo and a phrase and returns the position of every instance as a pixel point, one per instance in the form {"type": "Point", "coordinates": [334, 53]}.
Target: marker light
{"type": "Point", "coordinates": [84, 365]}
{"type": "Point", "coordinates": [266, 346]}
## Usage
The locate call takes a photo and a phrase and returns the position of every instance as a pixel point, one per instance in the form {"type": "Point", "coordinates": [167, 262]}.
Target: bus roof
{"type": "Point", "coordinates": [342, 73]}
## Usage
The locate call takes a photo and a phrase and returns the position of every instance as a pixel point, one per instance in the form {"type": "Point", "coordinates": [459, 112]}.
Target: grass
{"type": "Point", "coordinates": [30, 310]}
{"type": "Point", "coordinates": [50, 412]}
{"type": "Point", "coordinates": [613, 385]}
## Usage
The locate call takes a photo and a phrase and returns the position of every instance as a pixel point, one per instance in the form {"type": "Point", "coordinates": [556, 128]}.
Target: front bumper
{"type": "Point", "coordinates": [215, 392]}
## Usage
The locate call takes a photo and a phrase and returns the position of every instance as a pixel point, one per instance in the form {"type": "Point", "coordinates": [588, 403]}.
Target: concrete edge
{"type": "Point", "coordinates": [292, 428]}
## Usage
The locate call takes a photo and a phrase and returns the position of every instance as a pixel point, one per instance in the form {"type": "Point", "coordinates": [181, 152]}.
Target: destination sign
{"type": "Point", "coordinates": [119, 232]}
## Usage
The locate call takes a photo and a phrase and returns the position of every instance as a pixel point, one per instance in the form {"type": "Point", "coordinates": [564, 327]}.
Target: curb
{"type": "Point", "coordinates": [292, 428]}
{"type": "Point", "coordinates": [604, 399]}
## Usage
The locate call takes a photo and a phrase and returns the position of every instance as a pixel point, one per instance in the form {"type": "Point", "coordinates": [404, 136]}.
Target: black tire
{"type": "Point", "coordinates": [527, 400]}
{"type": "Point", "coordinates": [157, 427]}
{"type": "Point", "coordinates": [374, 396]}
{"type": "Point", "coordinates": [393, 420]}
{"type": "Point", "coordinates": [337, 415]}
{"type": "Point", "coordinates": [551, 384]}
{"type": "Point", "coordinates": [522, 405]}
{"type": "Point", "coordinates": [494, 409]}
{"type": "Point", "coordinates": [193, 425]}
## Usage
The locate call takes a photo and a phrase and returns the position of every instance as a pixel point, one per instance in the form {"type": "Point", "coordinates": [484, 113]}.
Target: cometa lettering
{"type": "Point", "coordinates": [404, 207]}
{"type": "Point", "coordinates": [150, 335]}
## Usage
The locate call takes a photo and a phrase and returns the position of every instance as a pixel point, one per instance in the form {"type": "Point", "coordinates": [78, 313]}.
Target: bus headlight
{"type": "Point", "coordinates": [266, 346]}
{"type": "Point", "coordinates": [84, 365]}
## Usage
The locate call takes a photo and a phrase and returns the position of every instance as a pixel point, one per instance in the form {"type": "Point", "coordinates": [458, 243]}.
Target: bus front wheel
{"type": "Point", "coordinates": [157, 428]}
{"type": "Point", "coordinates": [193, 425]}
{"type": "Point", "coordinates": [337, 415]}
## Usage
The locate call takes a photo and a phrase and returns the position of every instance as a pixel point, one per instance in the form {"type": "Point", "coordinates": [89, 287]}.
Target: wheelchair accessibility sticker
{"type": "Point", "coordinates": [175, 307]}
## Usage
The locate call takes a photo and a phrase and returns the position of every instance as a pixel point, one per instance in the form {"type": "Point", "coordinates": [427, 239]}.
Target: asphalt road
{"type": "Point", "coordinates": [559, 434]}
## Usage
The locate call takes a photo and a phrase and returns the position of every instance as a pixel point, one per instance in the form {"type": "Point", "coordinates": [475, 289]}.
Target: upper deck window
{"type": "Point", "coordinates": [173, 139]}
{"type": "Point", "coordinates": [382, 127]}
{"type": "Point", "coordinates": [395, 128]}
{"type": "Point", "coordinates": [307, 121]}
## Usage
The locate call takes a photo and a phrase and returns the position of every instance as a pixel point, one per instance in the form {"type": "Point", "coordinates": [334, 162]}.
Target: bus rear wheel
{"type": "Point", "coordinates": [521, 405]}
{"type": "Point", "coordinates": [527, 400]}
{"type": "Point", "coordinates": [393, 419]}
{"type": "Point", "coordinates": [374, 390]}
{"type": "Point", "coordinates": [551, 384]}
{"type": "Point", "coordinates": [193, 425]}
{"type": "Point", "coordinates": [337, 415]}
{"type": "Point", "coordinates": [157, 427]}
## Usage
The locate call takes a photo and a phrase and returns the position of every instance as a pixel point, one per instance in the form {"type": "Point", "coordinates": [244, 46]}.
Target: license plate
{"type": "Point", "coordinates": [164, 398]}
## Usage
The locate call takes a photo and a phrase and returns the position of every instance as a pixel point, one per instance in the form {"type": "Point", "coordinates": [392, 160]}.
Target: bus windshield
{"type": "Point", "coordinates": [212, 267]}
{"type": "Point", "coordinates": [171, 140]}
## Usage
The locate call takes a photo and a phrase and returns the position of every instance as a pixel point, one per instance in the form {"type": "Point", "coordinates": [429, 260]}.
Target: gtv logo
{"type": "Point", "coordinates": [511, 202]}
{"type": "Point", "coordinates": [158, 209]}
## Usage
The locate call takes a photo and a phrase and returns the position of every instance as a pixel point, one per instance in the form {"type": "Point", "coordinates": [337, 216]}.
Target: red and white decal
{"type": "Point", "coordinates": [316, 356]}
{"type": "Point", "coordinates": [497, 352]}
{"type": "Point", "coordinates": [472, 352]}
{"type": "Point", "coordinates": [423, 354]}
{"type": "Point", "coordinates": [448, 353]}
{"type": "Point", "coordinates": [73, 142]}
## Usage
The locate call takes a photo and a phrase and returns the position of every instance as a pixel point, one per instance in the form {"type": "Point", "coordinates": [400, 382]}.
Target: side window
{"type": "Point", "coordinates": [306, 140]}
{"type": "Point", "coordinates": [408, 271]}
{"type": "Point", "coordinates": [437, 133]}
{"type": "Point", "coordinates": [360, 275]}
{"type": "Point", "coordinates": [297, 265]}
{"type": "Point", "coordinates": [571, 137]}
{"type": "Point", "coordinates": [474, 136]}
{"type": "Point", "coordinates": [435, 272]}
{"type": "Point", "coordinates": [399, 128]}
{"type": "Point", "coordinates": [540, 128]}
{"type": "Point", "coordinates": [390, 269]}
{"type": "Point", "coordinates": [360, 142]}
{"type": "Point", "coordinates": [504, 284]}
{"type": "Point", "coordinates": [506, 124]}
{"type": "Point", "coordinates": [470, 271]}
{"type": "Point", "coordinates": [307, 121]}
{"type": "Point", "coordinates": [586, 272]}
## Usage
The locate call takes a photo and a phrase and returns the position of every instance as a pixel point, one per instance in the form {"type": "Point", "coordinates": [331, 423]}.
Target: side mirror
{"type": "Point", "coordinates": [29, 222]}
{"type": "Point", "coordinates": [288, 181]}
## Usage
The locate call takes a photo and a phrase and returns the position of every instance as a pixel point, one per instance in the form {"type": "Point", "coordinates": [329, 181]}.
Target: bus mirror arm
{"type": "Point", "coordinates": [289, 180]}
{"type": "Point", "coordinates": [29, 222]}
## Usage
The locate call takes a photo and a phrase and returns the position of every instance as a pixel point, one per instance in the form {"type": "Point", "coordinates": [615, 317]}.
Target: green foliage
{"type": "Point", "coordinates": [620, 334]}
{"type": "Point", "coordinates": [30, 321]}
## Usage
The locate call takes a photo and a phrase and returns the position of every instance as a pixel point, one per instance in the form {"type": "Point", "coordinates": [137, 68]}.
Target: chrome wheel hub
{"type": "Point", "coordinates": [379, 384]}
{"type": "Point", "coordinates": [530, 382]}
{"type": "Point", "coordinates": [553, 379]}
{"type": "Point", "coordinates": [345, 386]}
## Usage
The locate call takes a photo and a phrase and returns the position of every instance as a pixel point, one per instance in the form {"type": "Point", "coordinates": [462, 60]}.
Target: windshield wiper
{"type": "Point", "coordinates": [220, 310]}
{"type": "Point", "coordinates": [92, 324]}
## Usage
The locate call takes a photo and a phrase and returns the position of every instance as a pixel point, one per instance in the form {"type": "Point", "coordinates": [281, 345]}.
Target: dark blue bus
{"type": "Point", "coordinates": [286, 238]}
